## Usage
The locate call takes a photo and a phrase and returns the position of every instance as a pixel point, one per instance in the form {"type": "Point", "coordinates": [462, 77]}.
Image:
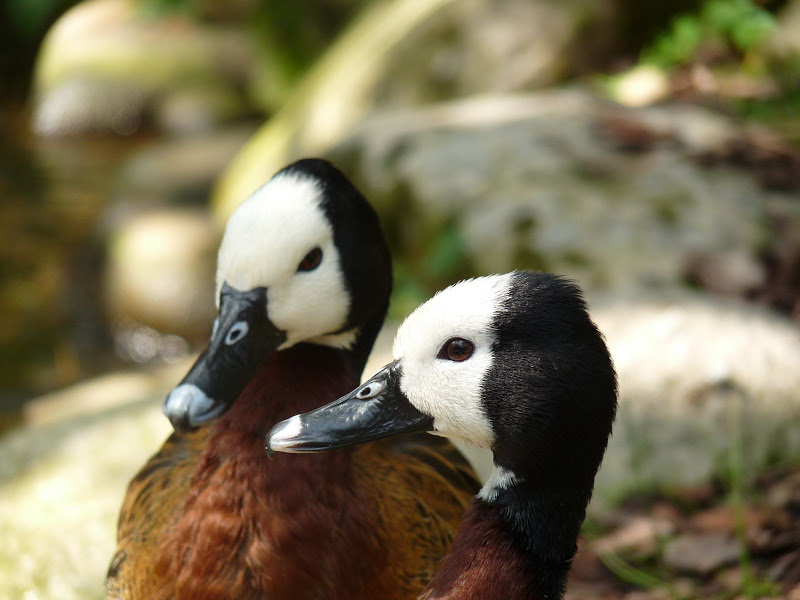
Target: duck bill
{"type": "Point", "coordinates": [242, 339]}
{"type": "Point", "coordinates": [377, 409]}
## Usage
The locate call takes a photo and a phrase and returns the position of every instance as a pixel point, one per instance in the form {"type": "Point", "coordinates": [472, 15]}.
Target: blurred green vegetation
{"type": "Point", "coordinates": [290, 42]}
{"type": "Point", "coordinates": [731, 36]}
{"type": "Point", "coordinates": [155, 8]}
{"type": "Point", "coordinates": [290, 35]}
{"type": "Point", "coordinates": [442, 258]}
{"type": "Point", "coordinates": [735, 24]}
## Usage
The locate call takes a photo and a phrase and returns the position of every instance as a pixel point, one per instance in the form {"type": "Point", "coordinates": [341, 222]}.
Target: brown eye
{"type": "Point", "coordinates": [311, 260]}
{"type": "Point", "coordinates": [457, 350]}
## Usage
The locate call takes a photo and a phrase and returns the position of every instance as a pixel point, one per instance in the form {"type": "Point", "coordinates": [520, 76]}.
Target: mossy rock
{"type": "Point", "coordinates": [562, 180]}
{"type": "Point", "coordinates": [104, 65]}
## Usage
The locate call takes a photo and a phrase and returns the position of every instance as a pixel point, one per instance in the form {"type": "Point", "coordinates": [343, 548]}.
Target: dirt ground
{"type": "Point", "coordinates": [707, 542]}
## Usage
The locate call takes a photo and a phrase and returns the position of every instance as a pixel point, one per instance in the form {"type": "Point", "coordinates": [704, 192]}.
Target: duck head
{"type": "Point", "coordinates": [511, 363]}
{"type": "Point", "coordinates": [303, 259]}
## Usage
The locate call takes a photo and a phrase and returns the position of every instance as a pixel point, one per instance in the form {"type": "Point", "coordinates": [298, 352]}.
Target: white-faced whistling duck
{"type": "Point", "coordinates": [512, 363]}
{"type": "Point", "coordinates": [303, 284]}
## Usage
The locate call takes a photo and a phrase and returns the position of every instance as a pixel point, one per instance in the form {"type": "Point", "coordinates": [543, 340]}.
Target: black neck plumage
{"type": "Point", "coordinates": [542, 520]}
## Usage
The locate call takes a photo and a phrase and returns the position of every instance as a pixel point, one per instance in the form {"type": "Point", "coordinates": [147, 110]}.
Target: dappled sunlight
{"type": "Point", "coordinates": [60, 500]}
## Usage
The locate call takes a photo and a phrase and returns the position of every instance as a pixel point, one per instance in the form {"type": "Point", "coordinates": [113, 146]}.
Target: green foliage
{"type": "Point", "coordinates": [446, 255]}
{"type": "Point", "coordinates": [440, 261]}
{"type": "Point", "coordinates": [738, 24]}
{"type": "Point", "coordinates": [638, 577]}
{"type": "Point", "coordinates": [782, 110]}
{"type": "Point", "coordinates": [677, 46]}
{"type": "Point", "coordinates": [408, 291]}
{"type": "Point", "coordinates": [155, 8]}
{"type": "Point", "coordinates": [743, 22]}
{"type": "Point", "coordinates": [752, 586]}
{"type": "Point", "coordinates": [291, 35]}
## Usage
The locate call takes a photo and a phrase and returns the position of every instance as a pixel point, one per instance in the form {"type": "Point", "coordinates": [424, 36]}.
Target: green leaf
{"type": "Point", "coordinates": [740, 23]}
{"type": "Point", "coordinates": [446, 255]}
{"type": "Point", "coordinates": [678, 45]}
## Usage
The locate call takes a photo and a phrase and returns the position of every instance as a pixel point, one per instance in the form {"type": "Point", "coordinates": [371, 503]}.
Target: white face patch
{"type": "Point", "coordinates": [265, 240]}
{"type": "Point", "coordinates": [450, 391]}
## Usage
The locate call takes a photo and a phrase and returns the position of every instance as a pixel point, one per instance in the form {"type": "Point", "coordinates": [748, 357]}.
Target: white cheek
{"type": "Point", "coordinates": [451, 393]}
{"type": "Point", "coordinates": [310, 304]}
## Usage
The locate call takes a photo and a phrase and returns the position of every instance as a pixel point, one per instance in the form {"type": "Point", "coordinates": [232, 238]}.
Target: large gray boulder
{"type": "Point", "coordinates": [615, 197]}
{"type": "Point", "coordinates": [698, 378]}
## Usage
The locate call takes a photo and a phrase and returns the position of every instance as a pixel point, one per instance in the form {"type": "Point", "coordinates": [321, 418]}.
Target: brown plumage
{"type": "Point", "coordinates": [210, 517]}
{"type": "Point", "coordinates": [484, 562]}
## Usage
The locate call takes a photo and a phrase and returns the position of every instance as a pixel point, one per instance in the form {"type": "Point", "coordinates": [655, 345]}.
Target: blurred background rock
{"type": "Point", "coordinates": [649, 150]}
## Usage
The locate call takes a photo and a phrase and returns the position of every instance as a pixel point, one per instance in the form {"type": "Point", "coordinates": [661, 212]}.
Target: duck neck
{"type": "Point", "coordinates": [268, 521]}
{"type": "Point", "coordinates": [291, 381]}
{"type": "Point", "coordinates": [366, 334]}
{"type": "Point", "coordinates": [516, 541]}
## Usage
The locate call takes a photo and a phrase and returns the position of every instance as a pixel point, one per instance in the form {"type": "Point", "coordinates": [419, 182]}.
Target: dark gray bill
{"type": "Point", "coordinates": [243, 337]}
{"type": "Point", "coordinates": [376, 409]}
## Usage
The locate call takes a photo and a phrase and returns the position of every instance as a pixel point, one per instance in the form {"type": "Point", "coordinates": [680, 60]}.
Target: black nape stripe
{"type": "Point", "coordinates": [552, 361]}
{"type": "Point", "coordinates": [551, 397]}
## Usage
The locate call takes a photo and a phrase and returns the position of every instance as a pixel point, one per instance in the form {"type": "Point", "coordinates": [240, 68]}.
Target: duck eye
{"type": "Point", "coordinates": [311, 260]}
{"type": "Point", "coordinates": [457, 350]}
{"type": "Point", "coordinates": [237, 331]}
